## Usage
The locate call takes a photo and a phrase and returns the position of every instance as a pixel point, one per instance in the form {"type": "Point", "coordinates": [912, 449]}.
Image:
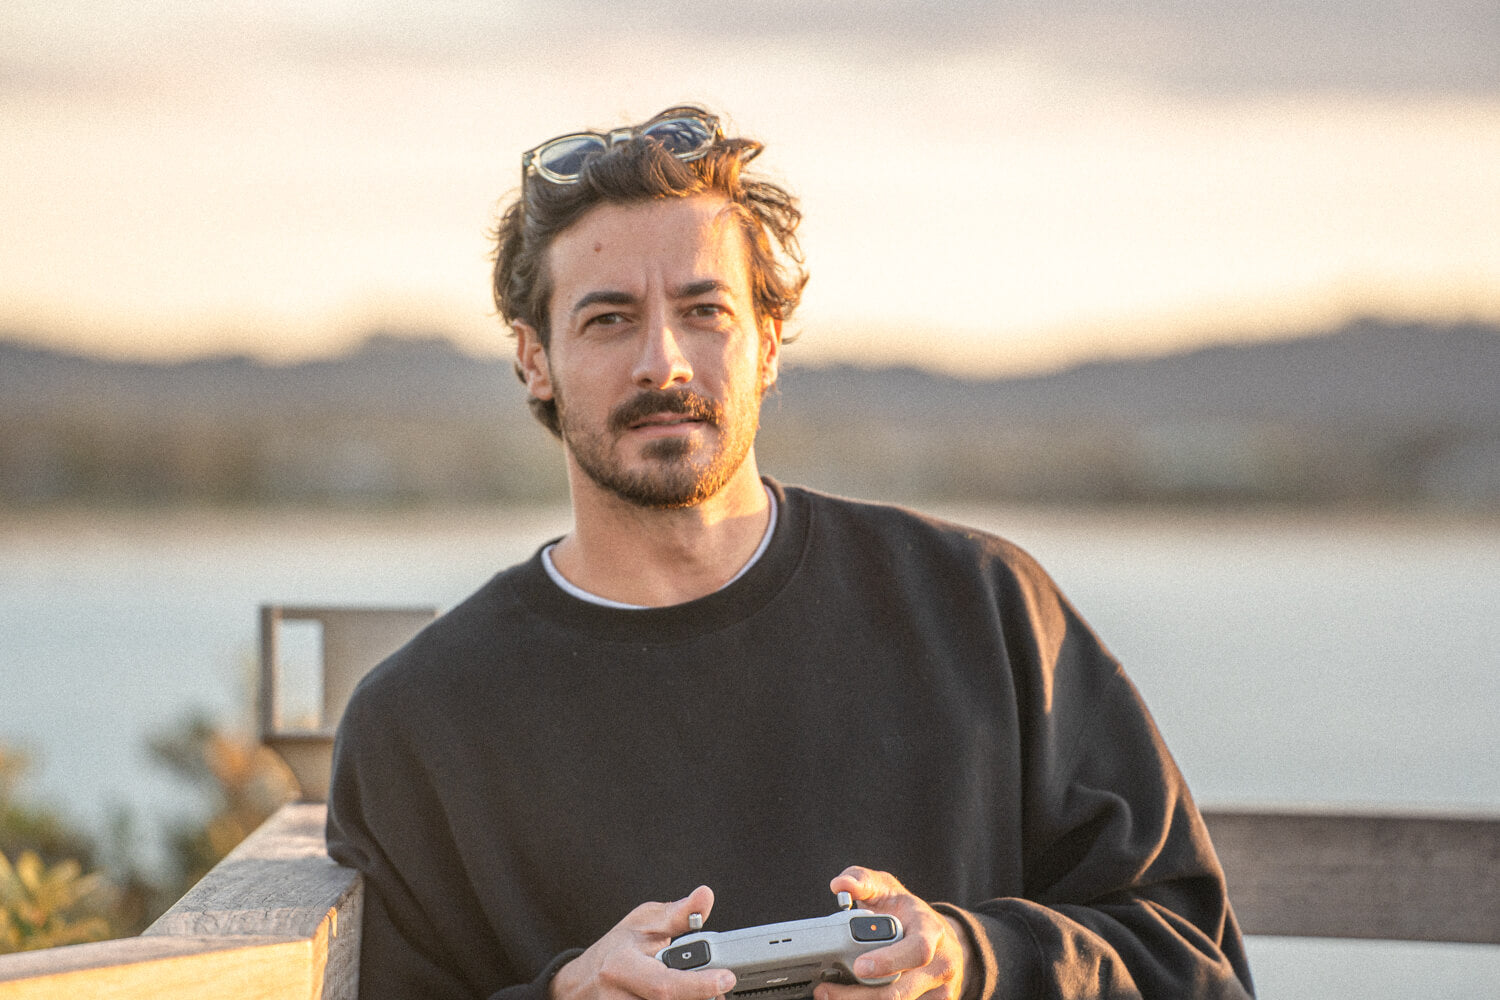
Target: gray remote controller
{"type": "Point", "coordinates": [785, 961]}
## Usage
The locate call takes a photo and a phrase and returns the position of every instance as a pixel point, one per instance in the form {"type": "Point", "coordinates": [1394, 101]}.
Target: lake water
{"type": "Point", "coordinates": [1289, 659]}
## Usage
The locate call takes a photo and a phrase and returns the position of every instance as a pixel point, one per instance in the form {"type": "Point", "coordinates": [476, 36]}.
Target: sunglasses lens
{"type": "Point", "coordinates": [685, 135]}
{"type": "Point", "coordinates": [680, 136]}
{"type": "Point", "coordinates": [564, 157]}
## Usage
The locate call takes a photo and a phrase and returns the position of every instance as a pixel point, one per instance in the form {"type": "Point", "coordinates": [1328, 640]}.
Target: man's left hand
{"type": "Point", "coordinates": [932, 956]}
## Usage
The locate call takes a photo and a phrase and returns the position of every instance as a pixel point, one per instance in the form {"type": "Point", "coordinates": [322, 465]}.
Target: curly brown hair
{"type": "Point", "coordinates": [636, 171]}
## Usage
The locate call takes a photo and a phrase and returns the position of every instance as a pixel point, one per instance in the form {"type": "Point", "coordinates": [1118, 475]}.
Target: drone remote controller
{"type": "Point", "coordinates": [785, 961]}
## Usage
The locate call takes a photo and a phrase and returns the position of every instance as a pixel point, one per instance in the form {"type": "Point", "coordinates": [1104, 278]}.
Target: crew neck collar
{"type": "Point", "coordinates": [743, 597]}
{"type": "Point", "coordinates": [584, 595]}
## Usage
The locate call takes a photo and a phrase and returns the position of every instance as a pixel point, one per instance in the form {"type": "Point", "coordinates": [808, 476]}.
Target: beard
{"type": "Point", "coordinates": [676, 472]}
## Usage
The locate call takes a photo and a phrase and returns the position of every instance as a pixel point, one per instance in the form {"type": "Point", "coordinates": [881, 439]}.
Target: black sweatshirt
{"type": "Point", "coordinates": [880, 689]}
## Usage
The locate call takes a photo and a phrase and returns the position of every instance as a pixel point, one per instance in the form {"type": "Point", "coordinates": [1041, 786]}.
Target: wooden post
{"type": "Point", "coordinates": [354, 640]}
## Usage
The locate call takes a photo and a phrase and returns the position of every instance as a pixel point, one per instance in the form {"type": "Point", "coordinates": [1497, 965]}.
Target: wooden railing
{"type": "Point", "coordinates": [1362, 875]}
{"type": "Point", "coordinates": [275, 920]}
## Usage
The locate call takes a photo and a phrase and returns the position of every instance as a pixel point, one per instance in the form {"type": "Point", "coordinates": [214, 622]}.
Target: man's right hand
{"type": "Point", "coordinates": [623, 963]}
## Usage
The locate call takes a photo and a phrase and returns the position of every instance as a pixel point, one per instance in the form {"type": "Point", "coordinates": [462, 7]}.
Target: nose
{"type": "Point", "coordinates": [662, 362]}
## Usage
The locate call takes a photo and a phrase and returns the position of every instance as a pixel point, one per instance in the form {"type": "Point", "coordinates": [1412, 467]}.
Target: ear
{"type": "Point", "coordinates": [531, 360]}
{"type": "Point", "coordinates": [770, 352]}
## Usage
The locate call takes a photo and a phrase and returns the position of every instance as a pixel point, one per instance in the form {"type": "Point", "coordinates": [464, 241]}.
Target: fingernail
{"type": "Point", "coordinates": [726, 983]}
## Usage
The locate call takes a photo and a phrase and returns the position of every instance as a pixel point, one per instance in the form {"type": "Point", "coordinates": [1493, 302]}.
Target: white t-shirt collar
{"type": "Point", "coordinates": [584, 595]}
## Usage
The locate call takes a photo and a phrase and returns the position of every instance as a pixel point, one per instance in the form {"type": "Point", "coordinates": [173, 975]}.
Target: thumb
{"type": "Point", "coordinates": [865, 884]}
{"type": "Point", "coordinates": [700, 901]}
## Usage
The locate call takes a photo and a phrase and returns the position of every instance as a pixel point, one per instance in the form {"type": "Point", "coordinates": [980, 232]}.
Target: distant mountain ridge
{"type": "Point", "coordinates": [1375, 411]}
{"type": "Point", "coordinates": [1367, 371]}
{"type": "Point", "coordinates": [384, 373]}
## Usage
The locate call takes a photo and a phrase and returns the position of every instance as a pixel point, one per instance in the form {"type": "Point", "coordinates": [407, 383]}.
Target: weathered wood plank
{"type": "Point", "coordinates": [275, 919]}
{"type": "Point", "coordinates": [279, 881]}
{"type": "Point", "coordinates": [1409, 878]}
{"type": "Point", "coordinates": [165, 968]}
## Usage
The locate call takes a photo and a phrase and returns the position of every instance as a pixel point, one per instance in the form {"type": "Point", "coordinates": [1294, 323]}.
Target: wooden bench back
{"type": "Point", "coordinates": [1352, 875]}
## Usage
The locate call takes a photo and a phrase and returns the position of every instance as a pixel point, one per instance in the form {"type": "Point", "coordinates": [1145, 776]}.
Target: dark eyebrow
{"type": "Point", "coordinates": [696, 288]}
{"type": "Point", "coordinates": [613, 298]}
{"type": "Point", "coordinates": [606, 297]}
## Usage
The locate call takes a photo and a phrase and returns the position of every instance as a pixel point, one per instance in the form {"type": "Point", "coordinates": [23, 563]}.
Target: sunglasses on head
{"type": "Point", "coordinates": [686, 132]}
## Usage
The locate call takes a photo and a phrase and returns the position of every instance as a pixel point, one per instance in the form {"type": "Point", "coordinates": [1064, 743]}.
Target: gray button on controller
{"type": "Point", "coordinates": [688, 956]}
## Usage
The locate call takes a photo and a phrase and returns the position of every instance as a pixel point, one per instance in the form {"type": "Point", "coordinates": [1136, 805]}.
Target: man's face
{"type": "Point", "coordinates": [657, 362]}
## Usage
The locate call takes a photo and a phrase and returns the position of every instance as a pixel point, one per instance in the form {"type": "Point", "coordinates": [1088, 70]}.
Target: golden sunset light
{"type": "Point", "coordinates": [1142, 395]}
{"type": "Point", "coordinates": [1023, 192]}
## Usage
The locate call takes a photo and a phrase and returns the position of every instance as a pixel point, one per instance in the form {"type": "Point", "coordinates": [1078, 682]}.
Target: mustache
{"type": "Point", "coordinates": [683, 402]}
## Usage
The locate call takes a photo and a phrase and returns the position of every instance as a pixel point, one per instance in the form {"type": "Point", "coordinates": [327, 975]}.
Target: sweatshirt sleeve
{"type": "Point", "coordinates": [421, 935]}
{"type": "Point", "coordinates": [1123, 894]}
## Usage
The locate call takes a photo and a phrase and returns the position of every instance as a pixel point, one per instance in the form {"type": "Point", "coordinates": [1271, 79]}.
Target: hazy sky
{"type": "Point", "coordinates": [986, 185]}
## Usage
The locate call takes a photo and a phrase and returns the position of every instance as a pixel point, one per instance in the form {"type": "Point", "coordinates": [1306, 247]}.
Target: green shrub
{"type": "Point", "coordinates": [53, 889]}
{"type": "Point", "coordinates": [43, 906]}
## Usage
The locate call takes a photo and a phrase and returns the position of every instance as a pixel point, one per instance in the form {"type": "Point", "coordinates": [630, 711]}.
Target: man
{"type": "Point", "coordinates": [721, 695]}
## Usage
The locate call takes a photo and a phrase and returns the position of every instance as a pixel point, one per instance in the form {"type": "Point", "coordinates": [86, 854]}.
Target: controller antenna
{"type": "Point", "coordinates": [845, 900]}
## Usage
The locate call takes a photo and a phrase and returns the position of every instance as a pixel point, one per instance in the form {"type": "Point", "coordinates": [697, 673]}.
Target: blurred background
{"type": "Point", "coordinates": [988, 186]}
{"type": "Point", "coordinates": [1199, 303]}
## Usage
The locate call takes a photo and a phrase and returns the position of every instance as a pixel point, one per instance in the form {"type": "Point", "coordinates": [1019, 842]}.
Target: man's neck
{"type": "Point", "coordinates": [657, 558]}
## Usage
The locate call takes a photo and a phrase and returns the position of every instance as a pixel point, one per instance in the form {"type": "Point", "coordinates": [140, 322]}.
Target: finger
{"type": "Point", "coordinates": [911, 952]}
{"type": "Point", "coordinates": [656, 920]}
{"type": "Point", "coordinates": [867, 884]}
{"type": "Point", "coordinates": [846, 991]}
{"type": "Point", "coordinates": [640, 975]}
{"type": "Point", "coordinates": [699, 901]}
{"type": "Point", "coordinates": [929, 940]}
{"type": "Point", "coordinates": [931, 957]}
{"type": "Point", "coordinates": [914, 979]}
